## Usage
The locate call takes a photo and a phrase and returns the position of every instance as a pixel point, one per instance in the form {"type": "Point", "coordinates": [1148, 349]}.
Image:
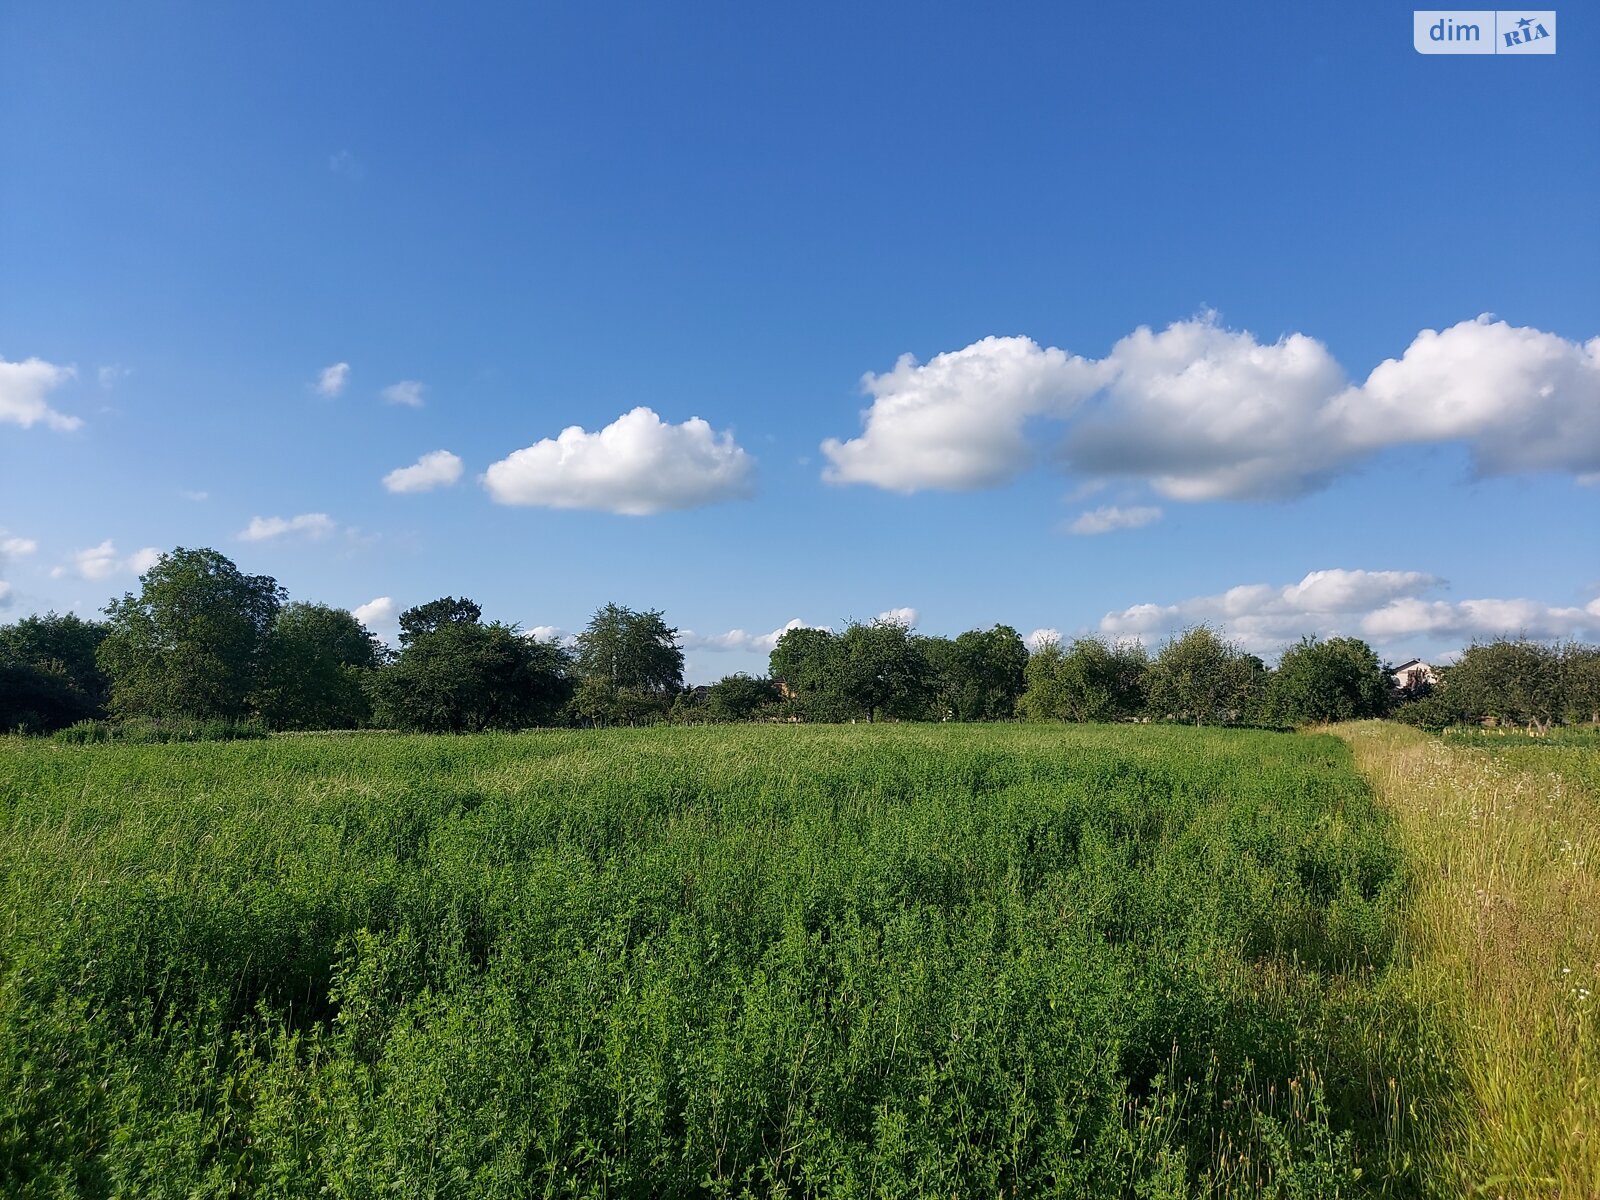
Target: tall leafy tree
{"type": "Point", "coordinates": [1511, 680]}
{"type": "Point", "coordinates": [740, 697]}
{"type": "Point", "coordinates": [1339, 679]}
{"type": "Point", "coordinates": [458, 675]}
{"type": "Point", "coordinates": [190, 643]}
{"type": "Point", "coordinates": [883, 671]}
{"type": "Point", "coordinates": [314, 669]}
{"type": "Point", "coordinates": [64, 639]}
{"type": "Point", "coordinates": [49, 674]}
{"type": "Point", "coordinates": [1092, 680]}
{"type": "Point", "coordinates": [805, 664]}
{"type": "Point", "coordinates": [436, 614]}
{"type": "Point", "coordinates": [631, 650]}
{"type": "Point", "coordinates": [1202, 678]}
{"type": "Point", "coordinates": [978, 676]}
{"type": "Point", "coordinates": [1580, 682]}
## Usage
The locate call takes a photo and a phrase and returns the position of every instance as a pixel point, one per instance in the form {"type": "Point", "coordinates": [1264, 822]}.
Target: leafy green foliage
{"type": "Point", "coordinates": [633, 650]}
{"type": "Point", "coordinates": [1093, 680]}
{"type": "Point", "coordinates": [37, 698]}
{"type": "Point", "coordinates": [55, 675]}
{"type": "Point", "coordinates": [1325, 681]}
{"type": "Point", "coordinates": [1514, 682]}
{"type": "Point", "coordinates": [190, 643]}
{"type": "Point", "coordinates": [1580, 682]}
{"type": "Point", "coordinates": [687, 962]}
{"type": "Point", "coordinates": [314, 670]}
{"type": "Point", "coordinates": [871, 670]}
{"type": "Point", "coordinates": [458, 676]}
{"type": "Point", "coordinates": [978, 675]}
{"type": "Point", "coordinates": [882, 671]}
{"type": "Point", "coordinates": [805, 665]}
{"type": "Point", "coordinates": [1202, 679]}
{"type": "Point", "coordinates": [436, 615]}
{"type": "Point", "coordinates": [741, 697]}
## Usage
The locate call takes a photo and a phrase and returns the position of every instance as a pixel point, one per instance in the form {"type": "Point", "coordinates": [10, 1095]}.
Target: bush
{"type": "Point", "coordinates": [152, 731]}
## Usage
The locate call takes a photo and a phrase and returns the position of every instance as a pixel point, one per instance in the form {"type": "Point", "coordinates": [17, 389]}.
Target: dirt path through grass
{"type": "Point", "coordinates": [1505, 935]}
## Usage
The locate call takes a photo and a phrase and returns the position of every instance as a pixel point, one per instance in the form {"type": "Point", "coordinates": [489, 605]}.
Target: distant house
{"type": "Point", "coordinates": [1414, 676]}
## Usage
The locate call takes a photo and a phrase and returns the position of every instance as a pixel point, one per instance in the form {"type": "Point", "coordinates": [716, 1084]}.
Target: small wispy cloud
{"type": "Point", "coordinates": [195, 497]}
{"type": "Point", "coordinates": [436, 469]}
{"type": "Point", "coordinates": [739, 639]}
{"type": "Point", "coordinates": [407, 392]}
{"type": "Point", "coordinates": [312, 525]}
{"type": "Point", "coordinates": [103, 561]}
{"type": "Point", "coordinates": [110, 376]}
{"type": "Point", "coordinates": [1111, 518]}
{"type": "Point", "coordinates": [331, 381]}
{"type": "Point", "coordinates": [16, 547]}
{"type": "Point", "coordinates": [23, 388]}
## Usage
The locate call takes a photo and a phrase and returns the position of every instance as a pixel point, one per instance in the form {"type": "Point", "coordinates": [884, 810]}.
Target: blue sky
{"type": "Point", "coordinates": [1148, 263]}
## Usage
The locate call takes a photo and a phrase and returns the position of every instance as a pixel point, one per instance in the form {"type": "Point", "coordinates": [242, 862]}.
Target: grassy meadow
{"type": "Point", "coordinates": [763, 960]}
{"type": "Point", "coordinates": [1503, 936]}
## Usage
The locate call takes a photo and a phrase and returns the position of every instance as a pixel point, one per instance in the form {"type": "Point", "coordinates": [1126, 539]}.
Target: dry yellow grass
{"type": "Point", "coordinates": [1505, 938]}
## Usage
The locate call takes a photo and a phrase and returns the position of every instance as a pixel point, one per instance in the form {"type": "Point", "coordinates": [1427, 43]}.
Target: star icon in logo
{"type": "Point", "coordinates": [1525, 22]}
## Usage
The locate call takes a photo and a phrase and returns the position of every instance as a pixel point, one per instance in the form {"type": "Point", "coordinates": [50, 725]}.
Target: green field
{"type": "Point", "coordinates": [956, 961]}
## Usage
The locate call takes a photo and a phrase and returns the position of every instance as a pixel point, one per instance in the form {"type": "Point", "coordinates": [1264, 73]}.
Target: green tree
{"type": "Point", "coordinates": [977, 676]}
{"type": "Point", "coordinates": [435, 615]}
{"type": "Point", "coordinates": [741, 697]}
{"type": "Point", "coordinates": [806, 669]}
{"type": "Point", "coordinates": [458, 675]}
{"type": "Point", "coordinates": [37, 698]}
{"type": "Point", "coordinates": [1339, 679]}
{"type": "Point", "coordinates": [49, 674]}
{"type": "Point", "coordinates": [1202, 678]}
{"type": "Point", "coordinates": [883, 671]}
{"type": "Point", "coordinates": [632, 650]}
{"type": "Point", "coordinates": [1514, 681]}
{"type": "Point", "coordinates": [314, 669]}
{"type": "Point", "coordinates": [190, 643]}
{"type": "Point", "coordinates": [1580, 682]}
{"type": "Point", "coordinates": [1093, 680]}
{"type": "Point", "coordinates": [64, 639]}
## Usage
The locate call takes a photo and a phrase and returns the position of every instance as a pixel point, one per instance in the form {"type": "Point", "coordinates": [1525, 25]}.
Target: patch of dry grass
{"type": "Point", "coordinates": [1504, 930]}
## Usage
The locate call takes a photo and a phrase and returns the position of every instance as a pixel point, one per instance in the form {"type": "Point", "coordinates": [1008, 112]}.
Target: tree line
{"type": "Point", "coordinates": [203, 641]}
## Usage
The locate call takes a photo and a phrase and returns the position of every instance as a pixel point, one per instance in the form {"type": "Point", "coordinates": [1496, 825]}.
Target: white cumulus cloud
{"type": "Point", "coordinates": [1520, 399]}
{"type": "Point", "coordinates": [738, 639]}
{"type": "Point", "coordinates": [899, 616]}
{"type": "Point", "coordinates": [332, 380]}
{"type": "Point", "coordinates": [1486, 619]}
{"type": "Point", "coordinates": [16, 547]}
{"type": "Point", "coordinates": [552, 633]}
{"type": "Point", "coordinates": [1111, 518]}
{"type": "Point", "coordinates": [957, 421]}
{"type": "Point", "coordinates": [436, 469]}
{"type": "Point", "coordinates": [313, 525]}
{"type": "Point", "coordinates": [1041, 637]}
{"type": "Point", "coordinates": [103, 561]}
{"type": "Point", "coordinates": [379, 612]}
{"type": "Point", "coordinates": [1201, 412]}
{"type": "Point", "coordinates": [637, 465]}
{"type": "Point", "coordinates": [407, 392]}
{"type": "Point", "coordinates": [23, 388]}
{"type": "Point", "coordinates": [1385, 607]}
